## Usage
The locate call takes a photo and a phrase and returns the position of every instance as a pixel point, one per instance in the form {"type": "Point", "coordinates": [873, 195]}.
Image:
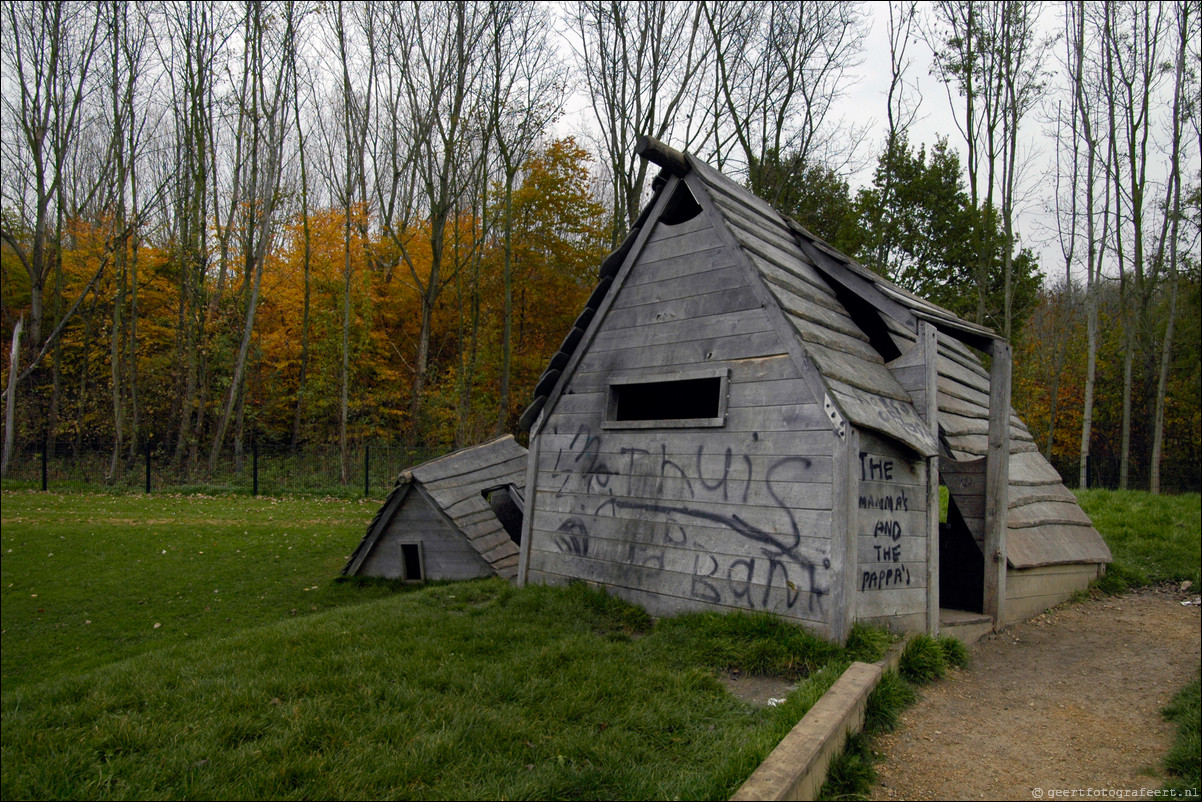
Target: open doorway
{"type": "Point", "coordinates": [961, 564]}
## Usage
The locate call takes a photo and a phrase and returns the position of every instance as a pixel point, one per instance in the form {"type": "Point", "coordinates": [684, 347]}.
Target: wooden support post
{"type": "Point", "coordinates": [845, 565]}
{"type": "Point", "coordinates": [531, 505]}
{"type": "Point", "coordinates": [997, 483]}
{"type": "Point", "coordinates": [928, 341]}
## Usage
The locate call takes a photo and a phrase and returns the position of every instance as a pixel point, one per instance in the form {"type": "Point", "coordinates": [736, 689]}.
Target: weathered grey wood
{"type": "Point", "coordinates": [636, 243]}
{"type": "Point", "coordinates": [657, 152]}
{"type": "Point", "coordinates": [531, 505]}
{"type": "Point", "coordinates": [530, 417]}
{"type": "Point", "coordinates": [675, 540]}
{"type": "Point", "coordinates": [1047, 512]}
{"type": "Point", "coordinates": [803, 288]}
{"type": "Point", "coordinates": [1046, 581]}
{"type": "Point", "coordinates": [760, 229]}
{"type": "Point", "coordinates": [977, 444]}
{"type": "Point", "coordinates": [769, 393]}
{"type": "Point", "coordinates": [904, 608]}
{"type": "Point", "coordinates": [789, 263]}
{"type": "Point", "coordinates": [844, 562]}
{"type": "Point", "coordinates": [655, 333]}
{"type": "Point", "coordinates": [1030, 468]}
{"type": "Point", "coordinates": [997, 479]}
{"type": "Point", "coordinates": [747, 420]}
{"type": "Point", "coordinates": [375, 529]}
{"type": "Point", "coordinates": [972, 506]}
{"type": "Point", "coordinates": [950, 369]}
{"type": "Point", "coordinates": [714, 293]}
{"type": "Point", "coordinates": [1020, 608]}
{"type": "Point", "coordinates": [964, 408]}
{"type": "Point", "coordinates": [927, 348]}
{"type": "Point", "coordinates": [718, 591]}
{"type": "Point", "coordinates": [867, 377]}
{"type": "Point", "coordinates": [569, 441]}
{"type": "Point", "coordinates": [813, 312]}
{"type": "Point", "coordinates": [713, 352]}
{"type": "Point", "coordinates": [857, 347]}
{"type": "Point", "coordinates": [1054, 544]}
{"type": "Point", "coordinates": [958, 425]}
{"type": "Point", "coordinates": [672, 258]}
{"type": "Point", "coordinates": [723, 191]}
{"type": "Point", "coordinates": [704, 472]}
{"type": "Point", "coordinates": [1029, 494]}
{"type": "Point", "coordinates": [488, 475]}
{"type": "Point", "coordinates": [913, 550]}
{"type": "Point", "coordinates": [836, 419]}
{"type": "Point", "coordinates": [961, 353]}
{"type": "Point", "coordinates": [704, 510]}
{"type": "Point", "coordinates": [891, 526]}
{"type": "Point", "coordinates": [468, 460]}
{"type": "Point", "coordinates": [894, 418]}
{"type": "Point", "coordinates": [952, 389]}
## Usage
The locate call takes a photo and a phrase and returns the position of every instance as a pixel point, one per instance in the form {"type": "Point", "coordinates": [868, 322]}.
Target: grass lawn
{"type": "Point", "coordinates": [1152, 538]}
{"type": "Point", "coordinates": [185, 646]}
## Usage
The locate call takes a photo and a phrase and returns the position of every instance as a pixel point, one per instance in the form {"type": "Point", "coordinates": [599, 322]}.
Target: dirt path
{"type": "Point", "coordinates": [1068, 700]}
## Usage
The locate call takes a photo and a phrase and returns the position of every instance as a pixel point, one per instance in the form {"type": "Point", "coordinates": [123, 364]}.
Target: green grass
{"type": "Point", "coordinates": [1184, 761]}
{"type": "Point", "coordinates": [1153, 538]}
{"type": "Point", "coordinates": [267, 679]}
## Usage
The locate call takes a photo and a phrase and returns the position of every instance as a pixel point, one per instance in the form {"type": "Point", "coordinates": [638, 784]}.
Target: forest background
{"type": "Point", "coordinates": [304, 223]}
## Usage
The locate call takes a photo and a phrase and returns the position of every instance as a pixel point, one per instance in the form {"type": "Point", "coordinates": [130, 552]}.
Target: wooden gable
{"type": "Point", "coordinates": [443, 504]}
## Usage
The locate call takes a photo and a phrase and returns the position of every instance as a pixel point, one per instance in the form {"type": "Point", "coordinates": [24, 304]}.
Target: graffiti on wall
{"type": "Point", "coordinates": [665, 510]}
{"type": "Point", "coordinates": [884, 511]}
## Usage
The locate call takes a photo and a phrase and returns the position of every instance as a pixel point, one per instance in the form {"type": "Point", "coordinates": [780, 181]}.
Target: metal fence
{"type": "Point", "coordinates": [268, 469]}
{"type": "Point", "coordinates": [371, 469]}
{"type": "Point", "coordinates": [1103, 472]}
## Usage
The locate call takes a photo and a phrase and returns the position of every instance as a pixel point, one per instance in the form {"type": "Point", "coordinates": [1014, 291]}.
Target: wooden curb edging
{"type": "Point", "coordinates": [796, 768]}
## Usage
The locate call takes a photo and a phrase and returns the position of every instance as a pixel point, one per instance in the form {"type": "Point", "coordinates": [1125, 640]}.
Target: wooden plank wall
{"type": "Point", "coordinates": [737, 516]}
{"type": "Point", "coordinates": [446, 553]}
{"type": "Point", "coordinates": [892, 538]}
{"type": "Point", "coordinates": [1030, 591]}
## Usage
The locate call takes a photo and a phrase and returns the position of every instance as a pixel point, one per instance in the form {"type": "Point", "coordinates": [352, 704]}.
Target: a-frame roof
{"type": "Point", "coordinates": [815, 286]}
{"type": "Point", "coordinates": [454, 485]}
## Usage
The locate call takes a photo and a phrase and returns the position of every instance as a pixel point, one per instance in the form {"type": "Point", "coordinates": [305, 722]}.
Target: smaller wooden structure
{"type": "Point", "coordinates": [455, 517]}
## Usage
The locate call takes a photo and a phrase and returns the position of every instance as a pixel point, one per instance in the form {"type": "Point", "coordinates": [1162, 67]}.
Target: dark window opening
{"type": "Point", "coordinates": [411, 557]}
{"type": "Point", "coordinates": [507, 510]}
{"type": "Point", "coordinates": [681, 207]}
{"type": "Point", "coordinates": [684, 399]}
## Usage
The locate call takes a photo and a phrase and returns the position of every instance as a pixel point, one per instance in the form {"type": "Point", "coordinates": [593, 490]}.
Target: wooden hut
{"type": "Point", "coordinates": [745, 418]}
{"type": "Point", "coordinates": [455, 517]}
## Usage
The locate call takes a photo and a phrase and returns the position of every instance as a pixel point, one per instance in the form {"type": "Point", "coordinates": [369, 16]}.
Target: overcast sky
{"type": "Point", "coordinates": [863, 106]}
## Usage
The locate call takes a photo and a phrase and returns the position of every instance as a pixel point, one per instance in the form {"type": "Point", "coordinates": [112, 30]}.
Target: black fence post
{"type": "Point", "coordinates": [148, 466]}
{"type": "Point", "coordinates": [366, 470]}
{"type": "Point", "coordinates": [44, 458]}
{"type": "Point", "coordinates": [254, 450]}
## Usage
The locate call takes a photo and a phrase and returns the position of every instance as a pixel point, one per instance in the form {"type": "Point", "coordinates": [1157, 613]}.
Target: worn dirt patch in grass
{"type": "Point", "coordinates": [756, 690]}
{"type": "Point", "coordinates": [1069, 699]}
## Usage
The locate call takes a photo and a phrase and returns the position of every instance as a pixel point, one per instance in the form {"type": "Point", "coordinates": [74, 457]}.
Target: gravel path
{"type": "Point", "coordinates": [1068, 700]}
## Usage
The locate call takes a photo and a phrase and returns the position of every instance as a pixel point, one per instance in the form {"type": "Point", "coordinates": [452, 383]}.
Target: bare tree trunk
{"type": "Point", "coordinates": [269, 122]}
{"type": "Point", "coordinates": [1185, 33]}
{"type": "Point", "coordinates": [10, 396]}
